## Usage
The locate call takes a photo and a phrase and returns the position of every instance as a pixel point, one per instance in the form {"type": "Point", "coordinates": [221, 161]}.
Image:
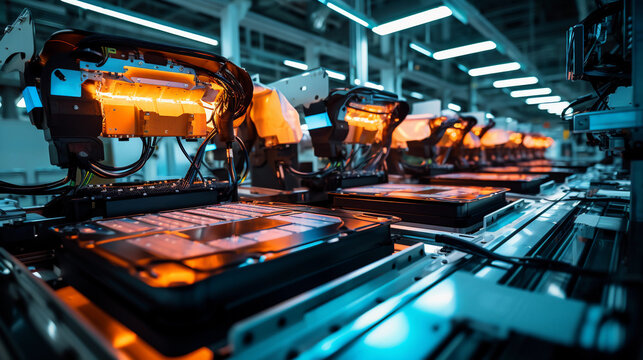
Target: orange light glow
{"type": "Point", "coordinates": [366, 122]}
{"type": "Point", "coordinates": [532, 141]}
{"type": "Point", "coordinates": [148, 102]}
{"type": "Point", "coordinates": [471, 141]}
{"type": "Point", "coordinates": [437, 121]}
{"type": "Point", "coordinates": [125, 342]}
{"type": "Point", "coordinates": [169, 274]}
{"type": "Point", "coordinates": [413, 128]}
{"type": "Point", "coordinates": [516, 138]}
{"type": "Point", "coordinates": [495, 137]}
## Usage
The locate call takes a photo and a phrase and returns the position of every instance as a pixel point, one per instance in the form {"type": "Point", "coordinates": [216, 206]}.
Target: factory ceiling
{"type": "Point", "coordinates": [272, 29]}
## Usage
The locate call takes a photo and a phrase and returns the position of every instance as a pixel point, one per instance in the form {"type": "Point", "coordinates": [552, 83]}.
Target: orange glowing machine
{"type": "Point", "coordinates": [170, 264]}
{"type": "Point", "coordinates": [83, 86]}
{"type": "Point", "coordinates": [361, 118]}
{"type": "Point", "coordinates": [442, 144]}
{"type": "Point", "coordinates": [273, 132]}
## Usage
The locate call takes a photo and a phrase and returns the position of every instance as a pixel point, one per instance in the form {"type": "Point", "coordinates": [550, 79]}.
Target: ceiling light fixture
{"type": "Point", "coordinates": [140, 20]}
{"type": "Point", "coordinates": [542, 99]}
{"type": "Point", "coordinates": [529, 80]}
{"type": "Point", "coordinates": [530, 92]}
{"type": "Point", "coordinates": [454, 107]}
{"type": "Point", "coordinates": [416, 95]}
{"type": "Point", "coordinates": [494, 69]}
{"type": "Point", "coordinates": [373, 85]}
{"type": "Point", "coordinates": [410, 21]}
{"type": "Point", "coordinates": [421, 49]}
{"type": "Point", "coordinates": [296, 64]}
{"type": "Point", "coordinates": [351, 14]}
{"type": "Point", "coordinates": [335, 75]}
{"type": "Point", "coordinates": [547, 106]}
{"type": "Point", "coordinates": [464, 50]}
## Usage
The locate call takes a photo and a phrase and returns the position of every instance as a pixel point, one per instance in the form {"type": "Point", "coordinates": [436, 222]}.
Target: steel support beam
{"type": "Point", "coordinates": [230, 18]}
{"type": "Point", "coordinates": [284, 32]}
{"type": "Point", "coordinates": [433, 82]}
{"type": "Point", "coordinates": [637, 101]}
{"type": "Point", "coordinates": [311, 55]}
{"type": "Point", "coordinates": [359, 49]}
{"type": "Point", "coordinates": [387, 74]}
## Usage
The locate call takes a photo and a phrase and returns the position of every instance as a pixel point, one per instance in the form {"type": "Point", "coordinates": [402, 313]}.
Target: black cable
{"type": "Point", "coordinates": [585, 199]}
{"type": "Point", "coordinates": [232, 173]}
{"type": "Point", "coordinates": [104, 171]}
{"type": "Point", "coordinates": [319, 173]}
{"type": "Point", "coordinates": [198, 157]}
{"type": "Point", "coordinates": [187, 156]}
{"type": "Point", "coordinates": [246, 157]}
{"type": "Point", "coordinates": [42, 189]}
{"type": "Point", "coordinates": [471, 248]}
{"type": "Point", "coordinates": [144, 150]}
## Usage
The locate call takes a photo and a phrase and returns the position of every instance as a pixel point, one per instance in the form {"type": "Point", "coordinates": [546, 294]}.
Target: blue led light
{"type": "Point", "coordinates": [318, 121]}
{"type": "Point", "coordinates": [32, 98]}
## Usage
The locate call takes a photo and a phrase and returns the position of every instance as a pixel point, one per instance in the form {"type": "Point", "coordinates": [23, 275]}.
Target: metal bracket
{"type": "Point", "coordinates": [548, 185]}
{"type": "Point", "coordinates": [18, 43]}
{"type": "Point", "coordinates": [304, 313]}
{"type": "Point", "coordinates": [589, 223]}
{"type": "Point", "coordinates": [304, 89]}
{"type": "Point", "coordinates": [493, 217]}
{"type": "Point", "coordinates": [608, 120]}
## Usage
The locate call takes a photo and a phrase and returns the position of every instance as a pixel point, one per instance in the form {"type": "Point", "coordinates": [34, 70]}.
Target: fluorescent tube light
{"type": "Point", "coordinates": [559, 111]}
{"type": "Point", "coordinates": [296, 64]}
{"type": "Point", "coordinates": [454, 107]}
{"type": "Point", "coordinates": [530, 92]}
{"type": "Point", "coordinates": [464, 50]}
{"type": "Point", "coordinates": [542, 99]}
{"type": "Point", "coordinates": [421, 49]}
{"type": "Point", "coordinates": [494, 69]}
{"type": "Point", "coordinates": [547, 106]}
{"type": "Point", "coordinates": [336, 75]}
{"type": "Point", "coordinates": [417, 95]}
{"type": "Point", "coordinates": [140, 20]}
{"type": "Point", "coordinates": [374, 85]}
{"type": "Point", "coordinates": [410, 21]}
{"type": "Point", "coordinates": [529, 80]}
{"type": "Point", "coordinates": [348, 14]}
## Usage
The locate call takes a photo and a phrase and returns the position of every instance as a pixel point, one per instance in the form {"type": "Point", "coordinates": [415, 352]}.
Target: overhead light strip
{"type": "Point", "coordinates": [454, 107]}
{"type": "Point", "coordinates": [140, 20]}
{"type": "Point", "coordinates": [336, 75]}
{"type": "Point", "coordinates": [373, 85]}
{"type": "Point", "coordinates": [529, 80]}
{"type": "Point", "coordinates": [554, 105]}
{"type": "Point", "coordinates": [542, 99]}
{"type": "Point", "coordinates": [416, 95]}
{"type": "Point", "coordinates": [530, 92]}
{"type": "Point", "coordinates": [296, 64]}
{"type": "Point", "coordinates": [464, 50]}
{"type": "Point", "coordinates": [494, 69]}
{"type": "Point", "coordinates": [410, 21]}
{"type": "Point", "coordinates": [421, 49]}
{"type": "Point", "coordinates": [352, 16]}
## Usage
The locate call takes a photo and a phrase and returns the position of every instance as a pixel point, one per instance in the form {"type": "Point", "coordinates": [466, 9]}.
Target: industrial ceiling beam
{"type": "Point", "coordinates": [486, 28]}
